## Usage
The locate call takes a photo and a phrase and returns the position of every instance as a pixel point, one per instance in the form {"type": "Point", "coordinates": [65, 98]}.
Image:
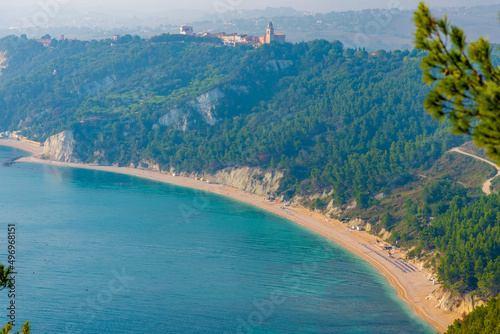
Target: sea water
{"type": "Point", "coordinates": [98, 252]}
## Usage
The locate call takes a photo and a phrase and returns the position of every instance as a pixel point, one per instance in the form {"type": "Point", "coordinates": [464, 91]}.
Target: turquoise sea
{"type": "Point", "coordinates": [98, 252]}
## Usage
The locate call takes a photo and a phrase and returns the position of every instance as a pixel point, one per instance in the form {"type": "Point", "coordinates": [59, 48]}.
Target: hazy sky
{"type": "Point", "coordinates": [156, 6]}
{"type": "Point", "coordinates": [41, 13]}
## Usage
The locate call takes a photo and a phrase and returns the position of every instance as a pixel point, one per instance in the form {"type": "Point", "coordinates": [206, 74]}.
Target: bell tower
{"type": "Point", "coordinates": [270, 33]}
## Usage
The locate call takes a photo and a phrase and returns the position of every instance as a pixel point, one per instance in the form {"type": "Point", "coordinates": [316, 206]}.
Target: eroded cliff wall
{"type": "Point", "coordinates": [458, 303]}
{"type": "Point", "coordinates": [251, 180]}
{"type": "Point", "coordinates": [60, 147]}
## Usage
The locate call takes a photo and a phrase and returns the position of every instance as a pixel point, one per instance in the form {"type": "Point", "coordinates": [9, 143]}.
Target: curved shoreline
{"type": "Point", "coordinates": [412, 287]}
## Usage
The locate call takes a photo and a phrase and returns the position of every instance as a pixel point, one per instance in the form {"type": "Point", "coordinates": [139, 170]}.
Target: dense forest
{"type": "Point", "coordinates": [340, 122]}
{"type": "Point", "coordinates": [467, 237]}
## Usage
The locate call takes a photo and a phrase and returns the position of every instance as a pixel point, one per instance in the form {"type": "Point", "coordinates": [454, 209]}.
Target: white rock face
{"type": "Point", "coordinates": [458, 303]}
{"type": "Point", "coordinates": [276, 65]}
{"type": "Point", "coordinates": [250, 180]}
{"type": "Point", "coordinates": [174, 117]}
{"type": "Point", "coordinates": [170, 118]}
{"type": "Point", "coordinates": [205, 105]}
{"type": "Point", "coordinates": [3, 61]}
{"type": "Point", "coordinates": [60, 147]}
{"type": "Point", "coordinates": [95, 87]}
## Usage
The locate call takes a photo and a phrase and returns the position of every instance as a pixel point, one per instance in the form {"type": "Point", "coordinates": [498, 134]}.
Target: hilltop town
{"type": "Point", "coordinates": [235, 38]}
{"type": "Point", "coordinates": [231, 39]}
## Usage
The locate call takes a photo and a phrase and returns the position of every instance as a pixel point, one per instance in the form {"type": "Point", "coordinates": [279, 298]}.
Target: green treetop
{"type": "Point", "coordinates": [25, 330]}
{"type": "Point", "coordinates": [466, 84]}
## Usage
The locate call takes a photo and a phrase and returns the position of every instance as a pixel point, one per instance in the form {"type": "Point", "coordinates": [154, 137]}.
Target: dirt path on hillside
{"type": "Point", "coordinates": [486, 185]}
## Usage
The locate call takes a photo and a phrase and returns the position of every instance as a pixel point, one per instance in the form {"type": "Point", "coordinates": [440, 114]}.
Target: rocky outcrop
{"type": "Point", "coordinates": [60, 147]}
{"type": "Point", "coordinates": [458, 303]}
{"type": "Point", "coordinates": [205, 105]}
{"type": "Point", "coordinates": [250, 180]}
{"type": "Point", "coordinates": [3, 61]}
{"type": "Point", "coordinates": [171, 117]}
{"type": "Point", "coordinates": [148, 164]}
{"type": "Point", "coordinates": [202, 106]}
{"type": "Point", "coordinates": [333, 210]}
{"type": "Point", "coordinates": [278, 65]}
{"type": "Point", "coordinates": [98, 158]}
{"type": "Point", "coordinates": [302, 200]}
{"type": "Point", "coordinates": [11, 160]}
{"type": "Point", "coordinates": [95, 87]}
{"type": "Point", "coordinates": [176, 118]}
{"type": "Point", "coordinates": [384, 234]}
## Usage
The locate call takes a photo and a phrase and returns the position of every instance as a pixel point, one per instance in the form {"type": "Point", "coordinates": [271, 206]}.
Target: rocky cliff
{"type": "Point", "coordinates": [458, 303]}
{"type": "Point", "coordinates": [95, 87]}
{"type": "Point", "coordinates": [175, 117]}
{"type": "Point", "coordinates": [60, 147]}
{"type": "Point", "coordinates": [203, 108]}
{"type": "Point", "coordinates": [205, 105]}
{"type": "Point", "coordinates": [251, 180]}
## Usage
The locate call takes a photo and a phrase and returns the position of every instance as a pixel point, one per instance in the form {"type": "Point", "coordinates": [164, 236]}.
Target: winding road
{"type": "Point", "coordinates": [486, 185]}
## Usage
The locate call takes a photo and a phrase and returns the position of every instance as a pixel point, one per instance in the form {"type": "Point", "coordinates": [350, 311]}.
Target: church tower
{"type": "Point", "coordinates": [270, 33]}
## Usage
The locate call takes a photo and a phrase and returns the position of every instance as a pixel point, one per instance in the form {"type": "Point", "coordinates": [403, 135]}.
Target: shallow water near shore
{"type": "Point", "coordinates": [109, 253]}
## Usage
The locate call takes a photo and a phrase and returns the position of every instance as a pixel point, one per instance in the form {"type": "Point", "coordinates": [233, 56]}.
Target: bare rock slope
{"type": "Point", "coordinates": [60, 147]}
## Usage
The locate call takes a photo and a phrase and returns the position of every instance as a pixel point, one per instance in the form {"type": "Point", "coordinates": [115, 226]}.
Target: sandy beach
{"type": "Point", "coordinates": [412, 285]}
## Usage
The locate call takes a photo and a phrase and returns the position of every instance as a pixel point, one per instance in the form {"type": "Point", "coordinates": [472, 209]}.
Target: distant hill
{"type": "Point", "coordinates": [372, 29]}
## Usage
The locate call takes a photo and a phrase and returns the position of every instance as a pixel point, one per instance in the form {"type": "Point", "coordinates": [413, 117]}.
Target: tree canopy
{"type": "Point", "coordinates": [465, 82]}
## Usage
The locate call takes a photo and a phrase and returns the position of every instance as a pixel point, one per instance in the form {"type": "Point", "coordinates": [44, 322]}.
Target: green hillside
{"type": "Point", "coordinates": [331, 119]}
{"type": "Point", "coordinates": [344, 123]}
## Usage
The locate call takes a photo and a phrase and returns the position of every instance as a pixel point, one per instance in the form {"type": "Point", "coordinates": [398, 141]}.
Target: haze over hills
{"type": "Point", "coordinates": [372, 29]}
